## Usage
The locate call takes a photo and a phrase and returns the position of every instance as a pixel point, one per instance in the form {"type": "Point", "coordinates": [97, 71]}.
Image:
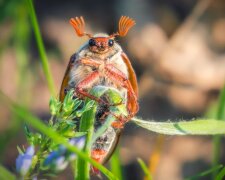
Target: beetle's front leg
{"type": "Point", "coordinates": [86, 83]}
{"type": "Point", "coordinates": [120, 78]}
{"type": "Point", "coordinates": [89, 62]}
{"type": "Point", "coordinates": [89, 80]}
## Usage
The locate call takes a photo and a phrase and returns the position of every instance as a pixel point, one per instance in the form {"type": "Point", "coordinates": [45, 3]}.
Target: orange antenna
{"type": "Point", "coordinates": [125, 24]}
{"type": "Point", "coordinates": [79, 26]}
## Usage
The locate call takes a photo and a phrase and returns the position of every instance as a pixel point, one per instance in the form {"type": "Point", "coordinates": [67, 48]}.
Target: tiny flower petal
{"type": "Point", "coordinates": [24, 161]}
{"type": "Point", "coordinates": [60, 163]}
{"type": "Point", "coordinates": [51, 158]}
{"type": "Point", "coordinates": [72, 157]}
{"type": "Point", "coordinates": [56, 159]}
{"type": "Point", "coordinates": [59, 159]}
{"type": "Point", "coordinates": [79, 141]}
{"type": "Point", "coordinates": [30, 151]}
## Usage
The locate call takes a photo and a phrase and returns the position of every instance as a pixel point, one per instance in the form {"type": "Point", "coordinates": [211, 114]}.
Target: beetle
{"type": "Point", "coordinates": [101, 61]}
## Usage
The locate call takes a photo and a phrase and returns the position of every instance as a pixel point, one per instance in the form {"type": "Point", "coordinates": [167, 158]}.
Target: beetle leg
{"type": "Point", "coordinates": [120, 78]}
{"type": "Point", "coordinates": [89, 62]}
{"type": "Point", "coordinates": [88, 82]}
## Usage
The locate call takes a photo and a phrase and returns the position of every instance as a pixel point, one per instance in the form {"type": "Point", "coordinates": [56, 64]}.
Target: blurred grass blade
{"type": "Point", "coordinates": [221, 107]}
{"type": "Point", "coordinates": [204, 173]}
{"type": "Point", "coordinates": [41, 48]}
{"type": "Point", "coordinates": [36, 123]}
{"type": "Point", "coordinates": [5, 174]}
{"type": "Point", "coordinates": [115, 164]}
{"type": "Point", "coordinates": [194, 127]}
{"type": "Point", "coordinates": [217, 139]}
{"type": "Point", "coordinates": [145, 169]}
{"type": "Point", "coordinates": [221, 175]}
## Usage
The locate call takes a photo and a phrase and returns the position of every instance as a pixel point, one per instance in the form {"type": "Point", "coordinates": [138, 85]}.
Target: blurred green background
{"type": "Point", "coordinates": [177, 49]}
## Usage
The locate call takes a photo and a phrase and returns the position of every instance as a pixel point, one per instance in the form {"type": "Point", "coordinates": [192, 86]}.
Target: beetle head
{"type": "Point", "coordinates": [102, 43]}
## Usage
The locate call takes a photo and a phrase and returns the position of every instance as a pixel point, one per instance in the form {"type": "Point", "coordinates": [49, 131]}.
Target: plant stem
{"type": "Point", "coordinates": [41, 48]}
{"type": "Point", "coordinates": [82, 167]}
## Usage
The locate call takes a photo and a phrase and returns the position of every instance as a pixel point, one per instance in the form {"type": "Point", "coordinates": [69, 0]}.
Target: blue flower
{"type": "Point", "coordinates": [60, 158]}
{"type": "Point", "coordinates": [52, 157]}
{"type": "Point", "coordinates": [24, 161]}
{"type": "Point", "coordinates": [61, 163]}
{"type": "Point", "coordinates": [79, 142]}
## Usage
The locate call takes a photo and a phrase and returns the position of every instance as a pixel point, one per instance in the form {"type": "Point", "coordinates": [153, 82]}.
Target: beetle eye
{"type": "Point", "coordinates": [91, 42]}
{"type": "Point", "coordinates": [111, 42]}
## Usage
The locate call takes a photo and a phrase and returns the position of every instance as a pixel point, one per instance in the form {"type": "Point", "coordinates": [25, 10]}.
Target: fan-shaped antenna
{"type": "Point", "coordinates": [79, 26]}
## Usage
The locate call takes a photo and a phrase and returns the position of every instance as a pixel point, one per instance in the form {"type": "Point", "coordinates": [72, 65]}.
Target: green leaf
{"type": "Point", "coordinates": [78, 134]}
{"type": "Point", "coordinates": [70, 106]}
{"type": "Point", "coordinates": [194, 127]}
{"type": "Point", "coordinates": [27, 131]}
{"type": "Point", "coordinates": [5, 174]}
{"type": "Point", "coordinates": [87, 107]}
{"type": "Point", "coordinates": [54, 106]}
{"type": "Point", "coordinates": [145, 169]}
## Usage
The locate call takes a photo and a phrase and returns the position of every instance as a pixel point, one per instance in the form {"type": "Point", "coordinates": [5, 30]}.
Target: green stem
{"type": "Point", "coordinates": [82, 168]}
{"type": "Point", "coordinates": [41, 48]}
